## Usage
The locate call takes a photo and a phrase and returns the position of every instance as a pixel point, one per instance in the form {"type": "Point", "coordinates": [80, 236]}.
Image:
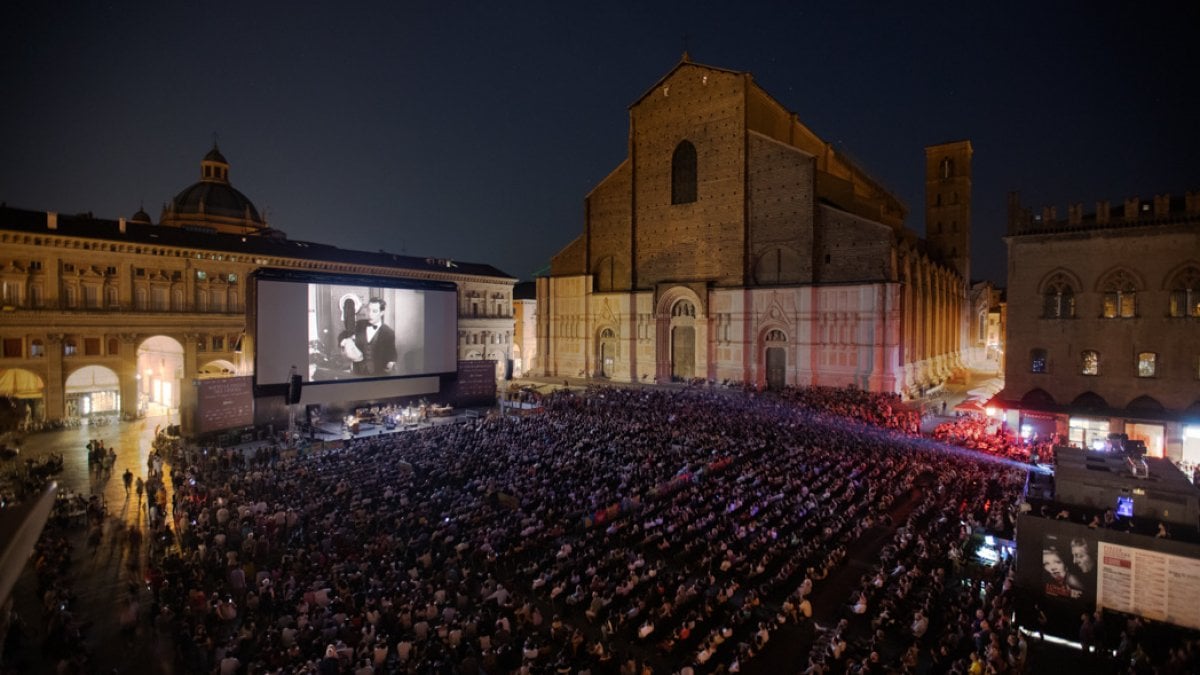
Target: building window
{"type": "Point", "coordinates": [1037, 361]}
{"type": "Point", "coordinates": [232, 278]}
{"type": "Point", "coordinates": [160, 299]}
{"type": "Point", "coordinates": [1119, 297]}
{"type": "Point", "coordinates": [139, 299]}
{"type": "Point", "coordinates": [683, 174]}
{"type": "Point", "coordinates": [201, 275]}
{"type": "Point", "coordinates": [91, 346]}
{"type": "Point", "coordinates": [72, 297]}
{"type": "Point", "coordinates": [114, 346]}
{"type": "Point", "coordinates": [1090, 362]}
{"type": "Point", "coordinates": [1058, 301]}
{"type": "Point", "coordinates": [110, 296]}
{"type": "Point", "coordinates": [35, 295]}
{"type": "Point", "coordinates": [1185, 293]}
{"type": "Point", "coordinates": [201, 344]}
{"type": "Point", "coordinates": [1147, 364]}
{"type": "Point", "coordinates": [218, 343]}
{"type": "Point", "coordinates": [91, 296]}
{"type": "Point", "coordinates": [11, 291]}
{"type": "Point", "coordinates": [946, 168]}
{"type": "Point", "coordinates": [69, 347]}
{"type": "Point", "coordinates": [12, 348]}
{"type": "Point", "coordinates": [37, 348]}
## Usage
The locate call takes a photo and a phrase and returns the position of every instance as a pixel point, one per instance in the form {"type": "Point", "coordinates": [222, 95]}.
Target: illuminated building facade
{"type": "Point", "coordinates": [120, 316]}
{"type": "Point", "coordinates": [1104, 334]}
{"type": "Point", "coordinates": [733, 244]}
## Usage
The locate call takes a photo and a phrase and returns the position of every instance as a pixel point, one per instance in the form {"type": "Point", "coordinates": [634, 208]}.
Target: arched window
{"type": "Point", "coordinates": [1185, 293]}
{"type": "Point", "coordinates": [1089, 362]}
{"type": "Point", "coordinates": [1037, 361]}
{"type": "Point", "coordinates": [946, 168]}
{"type": "Point", "coordinates": [683, 174]}
{"type": "Point", "coordinates": [70, 347]}
{"type": "Point", "coordinates": [607, 333]}
{"type": "Point", "coordinates": [776, 335]}
{"type": "Point", "coordinates": [1058, 298]}
{"type": "Point", "coordinates": [1120, 293]}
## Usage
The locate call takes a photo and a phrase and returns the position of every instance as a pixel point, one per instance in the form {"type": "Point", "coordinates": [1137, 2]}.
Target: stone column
{"type": "Point", "coordinates": [127, 374]}
{"type": "Point", "coordinates": [56, 383]}
{"type": "Point", "coordinates": [186, 385]}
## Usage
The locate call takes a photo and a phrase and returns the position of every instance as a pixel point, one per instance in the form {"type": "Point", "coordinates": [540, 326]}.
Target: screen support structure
{"type": "Point", "coordinates": [293, 402]}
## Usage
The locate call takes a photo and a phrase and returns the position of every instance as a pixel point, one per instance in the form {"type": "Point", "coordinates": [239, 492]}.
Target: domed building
{"type": "Point", "coordinates": [213, 204]}
{"type": "Point", "coordinates": [121, 317]}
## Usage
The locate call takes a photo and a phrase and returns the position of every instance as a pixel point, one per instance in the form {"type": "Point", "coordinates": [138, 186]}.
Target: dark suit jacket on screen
{"type": "Point", "coordinates": [377, 353]}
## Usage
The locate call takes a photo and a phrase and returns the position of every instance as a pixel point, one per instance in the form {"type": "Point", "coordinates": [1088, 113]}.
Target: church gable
{"type": "Point", "coordinates": [688, 147]}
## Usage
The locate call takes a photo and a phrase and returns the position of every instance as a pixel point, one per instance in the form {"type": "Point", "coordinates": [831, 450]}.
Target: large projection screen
{"type": "Point", "coordinates": [335, 328]}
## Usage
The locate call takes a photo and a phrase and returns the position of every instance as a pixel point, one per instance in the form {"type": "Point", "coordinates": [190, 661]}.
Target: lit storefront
{"type": "Point", "coordinates": [1089, 432]}
{"type": "Point", "coordinates": [1191, 443]}
{"type": "Point", "coordinates": [1153, 435]}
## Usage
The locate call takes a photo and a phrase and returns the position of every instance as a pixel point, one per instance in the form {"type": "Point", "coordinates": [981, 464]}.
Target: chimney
{"type": "Point", "coordinates": [1103, 210]}
{"type": "Point", "coordinates": [1131, 208]}
{"type": "Point", "coordinates": [51, 220]}
{"type": "Point", "coordinates": [121, 224]}
{"type": "Point", "coordinates": [1162, 205]}
{"type": "Point", "coordinates": [1075, 213]}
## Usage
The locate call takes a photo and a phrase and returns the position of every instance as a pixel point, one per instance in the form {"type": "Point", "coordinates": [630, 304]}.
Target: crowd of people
{"type": "Point", "coordinates": [619, 531]}
{"type": "Point", "coordinates": [977, 432]}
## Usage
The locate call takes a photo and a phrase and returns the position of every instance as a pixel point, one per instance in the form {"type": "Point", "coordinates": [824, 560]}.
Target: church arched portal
{"type": "Point", "coordinates": [160, 376]}
{"type": "Point", "coordinates": [607, 358]}
{"type": "Point", "coordinates": [683, 340]}
{"type": "Point", "coordinates": [776, 347]}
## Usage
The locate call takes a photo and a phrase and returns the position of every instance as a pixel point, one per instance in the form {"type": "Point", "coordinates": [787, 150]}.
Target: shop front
{"type": "Point", "coordinates": [1153, 435]}
{"type": "Point", "coordinates": [1090, 433]}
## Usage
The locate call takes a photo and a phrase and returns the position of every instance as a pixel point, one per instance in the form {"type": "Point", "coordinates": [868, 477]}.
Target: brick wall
{"type": "Point", "coordinates": [703, 239]}
{"type": "Point", "coordinates": [781, 183]}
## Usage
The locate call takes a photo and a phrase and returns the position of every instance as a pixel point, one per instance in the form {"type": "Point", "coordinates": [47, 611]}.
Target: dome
{"type": "Point", "coordinates": [213, 204]}
{"type": "Point", "coordinates": [209, 198]}
{"type": "Point", "coordinates": [141, 217]}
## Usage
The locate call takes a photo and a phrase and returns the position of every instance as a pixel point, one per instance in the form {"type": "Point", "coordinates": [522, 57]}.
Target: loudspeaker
{"type": "Point", "coordinates": [294, 386]}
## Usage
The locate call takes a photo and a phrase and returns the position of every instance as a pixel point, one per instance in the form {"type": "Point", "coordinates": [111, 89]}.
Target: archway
{"type": "Point", "coordinates": [29, 390]}
{"type": "Point", "coordinates": [607, 348]}
{"type": "Point", "coordinates": [92, 390]}
{"type": "Point", "coordinates": [216, 369]}
{"type": "Point", "coordinates": [160, 375]}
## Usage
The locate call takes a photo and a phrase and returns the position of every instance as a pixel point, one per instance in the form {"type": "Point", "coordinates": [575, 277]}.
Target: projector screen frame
{"type": "Point", "coordinates": [305, 279]}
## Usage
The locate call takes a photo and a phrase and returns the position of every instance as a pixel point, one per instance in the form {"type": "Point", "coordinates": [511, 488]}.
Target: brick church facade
{"type": "Point", "coordinates": [733, 244]}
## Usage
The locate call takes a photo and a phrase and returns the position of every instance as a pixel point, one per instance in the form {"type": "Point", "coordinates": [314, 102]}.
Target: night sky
{"type": "Point", "coordinates": [474, 131]}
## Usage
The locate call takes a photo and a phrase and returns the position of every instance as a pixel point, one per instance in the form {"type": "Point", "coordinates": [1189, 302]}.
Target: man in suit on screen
{"type": "Point", "coordinates": [375, 341]}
